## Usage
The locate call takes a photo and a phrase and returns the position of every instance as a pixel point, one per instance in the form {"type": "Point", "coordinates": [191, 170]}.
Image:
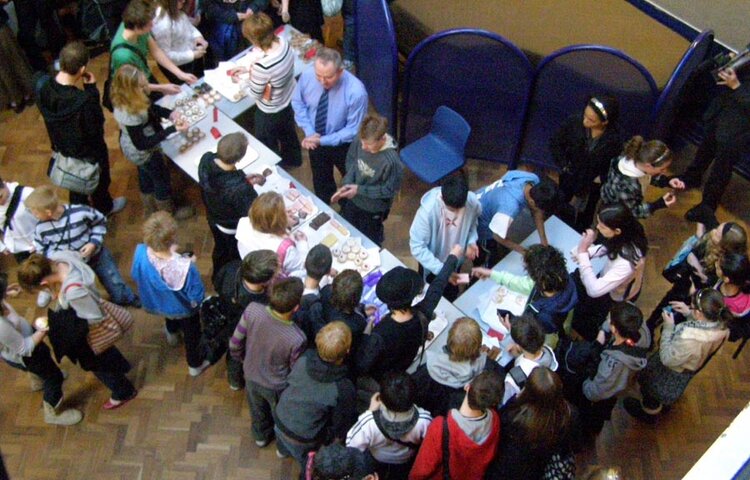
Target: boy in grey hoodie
{"type": "Point", "coordinates": [624, 341]}
{"type": "Point", "coordinates": [373, 178]}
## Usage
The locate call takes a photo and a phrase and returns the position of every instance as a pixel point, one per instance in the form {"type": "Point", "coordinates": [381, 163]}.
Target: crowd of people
{"type": "Point", "coordinates": [325, 377]}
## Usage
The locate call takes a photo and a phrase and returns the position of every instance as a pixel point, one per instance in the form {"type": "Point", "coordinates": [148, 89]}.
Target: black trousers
{"type": "Point", "coordinates": [322, 161]}
{"type": "Point", "coordinates": [40, 363]}
{"type": "Point", "coordinates": [100, 199]}
{"type": "Point", "coordinates": [277, 132]}
{"type": "Point", "coordinates": [191, 331]}
{"type": "Point", "coordinates": [369, 223]}
{"type": "Point", "coordinates": [114, 377]}
{"type": "Point", "coordinates": [225, 250]}
{"type": "Point", "coordinates": [723, 153]}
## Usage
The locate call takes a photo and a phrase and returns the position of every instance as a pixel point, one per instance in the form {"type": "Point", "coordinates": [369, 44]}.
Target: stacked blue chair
{"type": "Point", "coordinates": [441, 151]}
{"type": "Point", "coordinates": [377, 56]}
{"type": "Point", "coordinates": [480, 75]}
{"type": "Point", "coordinates": [664, 111]}
{"type": "Point", "coordinates": [566, 77]}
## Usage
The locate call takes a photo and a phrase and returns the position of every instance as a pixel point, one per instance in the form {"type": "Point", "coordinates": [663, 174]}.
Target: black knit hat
{"type": "Point", "coordinates": [399, 287]}
{"type": "Point", "coordinates": [337, 462]}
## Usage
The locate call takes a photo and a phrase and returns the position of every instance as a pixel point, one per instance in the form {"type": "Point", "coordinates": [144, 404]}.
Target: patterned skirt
{"type": "Point", "coordinates": [662, 383]}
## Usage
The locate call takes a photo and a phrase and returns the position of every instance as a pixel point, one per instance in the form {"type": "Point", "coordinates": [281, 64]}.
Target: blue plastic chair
{"type": "Point", "coordinates": [440, 152]}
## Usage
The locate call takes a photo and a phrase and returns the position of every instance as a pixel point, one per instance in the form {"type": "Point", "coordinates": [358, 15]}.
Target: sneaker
{"type": "Point", "coordinates": [195, 371]}
{"type": "Point", "coordinates": [234, 387]}
{"type": "Point", "coordinates": [281, 455]}
{"type": "Point", "coordinates": [173, 339]}
{"type": "Point", "coordinates": [118, 205]}
{"type": "Point", "coordinates": [262, 443]}
{"type": "Point", "coordinates": [112, 404]}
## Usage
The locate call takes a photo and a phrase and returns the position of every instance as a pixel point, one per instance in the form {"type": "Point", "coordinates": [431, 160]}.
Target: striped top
{"type": "Point", "coordinates": [78, 225]}
{"type": "Point", "coordinates": [277, 69]}
{"type": "Point", "coordinates": [268, 346]}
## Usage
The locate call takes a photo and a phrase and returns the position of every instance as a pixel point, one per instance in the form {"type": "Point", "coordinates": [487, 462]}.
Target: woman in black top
{"type": "Point", "coordinates": [583, 151]}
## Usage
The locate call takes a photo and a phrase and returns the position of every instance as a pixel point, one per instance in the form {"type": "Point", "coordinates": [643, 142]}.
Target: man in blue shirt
{"type": "Point", "coordinates": [329, 104]}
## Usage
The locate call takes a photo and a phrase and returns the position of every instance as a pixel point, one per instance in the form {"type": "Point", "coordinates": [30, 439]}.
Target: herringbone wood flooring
{"type": "Point", "coordinates": [181, 428]}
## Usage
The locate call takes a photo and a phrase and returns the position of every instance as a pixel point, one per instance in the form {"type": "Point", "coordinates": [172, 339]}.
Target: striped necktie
{"type": "Point", "coordinates": [321, 115]}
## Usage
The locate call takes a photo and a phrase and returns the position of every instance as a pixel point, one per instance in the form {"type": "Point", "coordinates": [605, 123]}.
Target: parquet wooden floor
{"type": "Point", "coordinates": [180, 428]}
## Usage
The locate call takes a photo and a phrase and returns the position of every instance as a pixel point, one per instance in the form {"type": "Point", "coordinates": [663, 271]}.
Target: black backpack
{"type": "Point", "coordinates": [215, 323]}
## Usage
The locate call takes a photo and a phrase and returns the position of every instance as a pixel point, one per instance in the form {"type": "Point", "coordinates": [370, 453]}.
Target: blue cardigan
{"type": "Point", "coordinates": [157, 298]}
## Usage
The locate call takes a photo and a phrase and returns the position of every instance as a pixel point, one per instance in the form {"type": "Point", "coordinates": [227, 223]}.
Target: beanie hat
{"type": "Point", "coordinates": [398, 287]}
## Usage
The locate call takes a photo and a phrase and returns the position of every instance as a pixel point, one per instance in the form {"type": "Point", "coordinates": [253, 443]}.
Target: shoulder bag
{"type": "Point", "coordinates": [117, 321]}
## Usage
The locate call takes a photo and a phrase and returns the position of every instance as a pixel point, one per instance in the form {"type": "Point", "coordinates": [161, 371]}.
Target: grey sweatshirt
{"type": "Point", "coordinates": [378, 176]}
{"type": "Point", "coordinates": [453, 374]}
{"type": "Point", "coordinates": [78, 290]}
{"type": "Point", "coordinates": [617, 366]}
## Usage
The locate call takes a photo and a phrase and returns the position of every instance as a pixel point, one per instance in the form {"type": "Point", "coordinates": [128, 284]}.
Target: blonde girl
{"type": "Point", "coordinates": [140, 135]}
{"type": "Point", "coordinates": [267, 228]}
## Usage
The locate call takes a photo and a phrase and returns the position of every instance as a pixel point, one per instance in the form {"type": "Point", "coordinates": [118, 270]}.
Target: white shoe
{"type": "Point", "coordinates": [173, 339]}
{"type": "Point", "coordinates": [262, 443]}
{"type": "Point", "coordinates": [281, 455]}
{"type": "Point", "coordinates": [195, 371]}
{"type": "Point", "coordinates": [118, 205]}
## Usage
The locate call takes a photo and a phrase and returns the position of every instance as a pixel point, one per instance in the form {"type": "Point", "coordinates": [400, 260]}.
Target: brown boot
{"type": "Point", "coordinates": [149, 204]}
{"type": "Point", "coordinates": [181, 213]}
{"type": "Point", "coordinates": [70, 416]}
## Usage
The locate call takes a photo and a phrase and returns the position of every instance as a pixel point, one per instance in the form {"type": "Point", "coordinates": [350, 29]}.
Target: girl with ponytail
{"type": "Point", "coordinates": [683, 351]}
{"type": "Point", "coordinates": [640, 163]}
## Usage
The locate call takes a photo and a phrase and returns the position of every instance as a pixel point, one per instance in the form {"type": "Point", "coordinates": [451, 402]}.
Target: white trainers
{"type": "Point", "coordinates": [118, 205]}
{"type": "Point", "coordinates": [262, 443]}
{"type": "Point", "coordinates": [281, 455]}
{"type": "Point", "coordinates": [195, 371]}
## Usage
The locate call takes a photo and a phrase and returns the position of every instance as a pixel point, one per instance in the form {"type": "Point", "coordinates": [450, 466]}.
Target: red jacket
{"type": "Point", "coordinates": [468, 460]}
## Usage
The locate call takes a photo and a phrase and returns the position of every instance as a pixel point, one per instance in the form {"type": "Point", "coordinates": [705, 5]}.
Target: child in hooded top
{"type": "Point", "coordinates": [529, 350]}
{"type": "Point", "coordinates": [441, 380]}
{"type": "Point", "coordinates": [392, 429]}
{"type": "Point", "coordinates": [552, 292]}
{"type": "Point", "coordinates": [502, 201]}
{"type": "Point", "coordinates": [373, 177]}
{"type": "Point", "coordinates": [473, 432]}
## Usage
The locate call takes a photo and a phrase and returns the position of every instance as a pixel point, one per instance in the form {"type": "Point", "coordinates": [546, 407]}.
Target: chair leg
{"type": "Point", "coordinates": [739, 348]}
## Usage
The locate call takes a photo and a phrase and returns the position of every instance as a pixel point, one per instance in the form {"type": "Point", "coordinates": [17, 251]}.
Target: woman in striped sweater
{"type": "Point", "coordinates": [271, 83]}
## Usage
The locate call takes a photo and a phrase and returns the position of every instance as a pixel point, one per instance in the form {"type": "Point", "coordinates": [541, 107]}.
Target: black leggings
{"type": "Point", "coordinates": [40, 363]}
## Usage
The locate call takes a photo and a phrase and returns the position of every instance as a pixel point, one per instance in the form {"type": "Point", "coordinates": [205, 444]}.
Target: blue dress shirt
{"type": "Point", "coordinates": [347, 106]}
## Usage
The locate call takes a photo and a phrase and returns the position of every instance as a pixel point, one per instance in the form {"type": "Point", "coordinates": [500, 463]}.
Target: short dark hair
{"type": "Point", "coordinates": [137, 14]}
{"type": "Point", "coordinates": [454, 191]}
{"type": "Point", "coordinates": [547, 268]}
{"type": "Point", "coordinates": [546, 195]}
{"type": "Point", "coordinates": [527, 333]}
{"type": "Point", "coordinates": [73, 57]}
{"type": "Point", "coordinates": [397, 390]}
{"type": "Point", "coordinates": [286, 294]}
{"type": "Point", "coordinates": [627, 319]}
{"type": "Point", "coordinates": [232, 147]}
{"type": "Point", "coordinates": [486, 390]}
{"type": "Point", "coordinates": [346, 291]}
{"type": "Point", "coordinates": [318, 261]}
{"type": "Point", "coordinates": [259, 266]}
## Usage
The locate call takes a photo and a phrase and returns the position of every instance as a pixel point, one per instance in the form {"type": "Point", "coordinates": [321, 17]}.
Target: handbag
{"type": "Point", "coordinates": [74, 174]}
{"type": "Point", "coordinates": [116, 323]}
{"type": "Point", "coordinates": [331, 8]}
{"type": "Point", "coordinates": [678, 268]}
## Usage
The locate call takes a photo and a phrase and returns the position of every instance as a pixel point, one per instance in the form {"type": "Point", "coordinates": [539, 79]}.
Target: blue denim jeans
{"type": "Point", "coordinates": [106, 269]}
{"type": "Point", "coordinates": [153, 177]}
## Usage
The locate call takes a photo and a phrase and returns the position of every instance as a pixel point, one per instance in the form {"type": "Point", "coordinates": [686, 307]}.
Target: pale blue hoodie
{"type": "Point", "coordinates": [425, 238]}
